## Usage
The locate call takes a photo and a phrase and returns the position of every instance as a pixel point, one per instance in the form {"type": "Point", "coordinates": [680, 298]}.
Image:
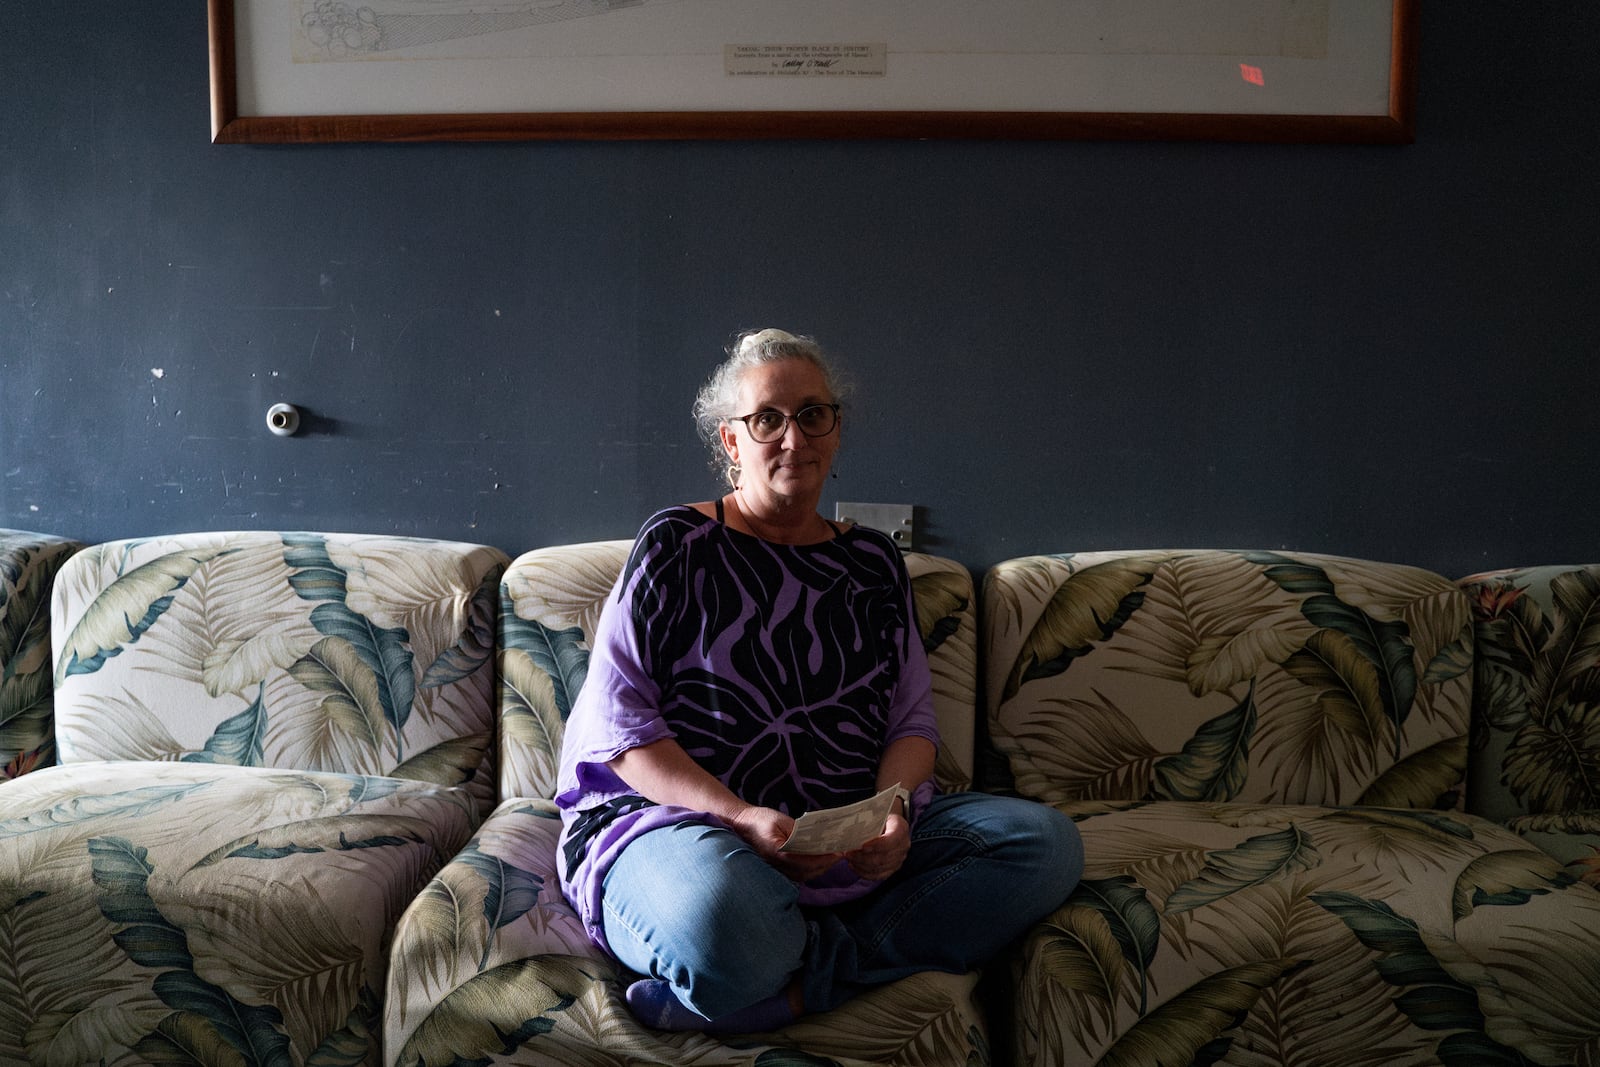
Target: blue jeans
{"type": "Point", "coordinates": [695, 905]}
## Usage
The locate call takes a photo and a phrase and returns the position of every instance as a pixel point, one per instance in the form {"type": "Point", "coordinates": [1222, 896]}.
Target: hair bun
{"type": "Point", "coordinates": [761, 337]}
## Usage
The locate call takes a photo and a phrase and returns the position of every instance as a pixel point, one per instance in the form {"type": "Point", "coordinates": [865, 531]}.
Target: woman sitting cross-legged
{"type": "Point", "coordinates": [756, 661]}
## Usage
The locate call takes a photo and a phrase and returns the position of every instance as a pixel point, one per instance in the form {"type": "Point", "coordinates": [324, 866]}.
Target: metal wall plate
{"type": "Point", "coordinates": [899, 521]}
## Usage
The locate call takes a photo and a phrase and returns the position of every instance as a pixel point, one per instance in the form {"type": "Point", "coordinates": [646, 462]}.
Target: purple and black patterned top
{"type": "Point", "coordinates": [784, 670]}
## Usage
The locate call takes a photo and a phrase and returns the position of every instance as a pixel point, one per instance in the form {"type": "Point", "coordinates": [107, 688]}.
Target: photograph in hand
{"type": "Point", "coordinates": [841, 829]}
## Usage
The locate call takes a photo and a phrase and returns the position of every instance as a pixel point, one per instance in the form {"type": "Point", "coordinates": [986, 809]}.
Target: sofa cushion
{"type": "Point", "coordinates": [491, 965]}
{"type": "Point", "coordinates": [550, 603]}
{"type": "Point", "coordinates": [1572, 837]}
{"type": "Point", "coordinates": [1535, 761]}
{"type": "Point", "coordinates": [1220, 675]}
{"type": "Point", "coordinates": [181, 912]}
{"type": "Point", "coordinates": [1536, 746]}
{"type": "Point", "coordinates": [329, 652]}
{"type": "Point", "coordinates": [28, 566]}
{"type": "Point", "coordinates": [1238, 933]}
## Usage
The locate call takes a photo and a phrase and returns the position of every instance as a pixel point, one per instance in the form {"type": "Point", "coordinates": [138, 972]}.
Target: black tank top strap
{"type": "Point", "coordinates": [719, 510]}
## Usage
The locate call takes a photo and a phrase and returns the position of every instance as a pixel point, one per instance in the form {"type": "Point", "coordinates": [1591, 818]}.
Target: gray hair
{"type": "Point", "coordinates": [714, 404]}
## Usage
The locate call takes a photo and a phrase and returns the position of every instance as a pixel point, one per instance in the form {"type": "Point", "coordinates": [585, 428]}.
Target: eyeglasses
{"type": "Point", "coordinates": [814, 420]}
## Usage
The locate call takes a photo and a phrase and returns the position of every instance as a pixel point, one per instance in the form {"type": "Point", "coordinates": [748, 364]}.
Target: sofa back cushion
{"type": "Point", "coordinates": [1221, 675]}
{"type": "Point", "coordinates": [304, 651]}
{"type": "Point", "coordinates": [1536, 715]}
{"type": "Point", "coordinates": [550, 603]}
{"type": "Point", "coordinates": [28, 566]}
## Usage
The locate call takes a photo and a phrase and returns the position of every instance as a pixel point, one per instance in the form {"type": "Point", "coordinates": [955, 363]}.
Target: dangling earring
{"type": "Point", "coordinates": [733, 475]}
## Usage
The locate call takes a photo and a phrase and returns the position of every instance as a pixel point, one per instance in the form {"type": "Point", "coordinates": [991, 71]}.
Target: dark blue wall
{"type": "Point", "coordinates": [1384, 352]}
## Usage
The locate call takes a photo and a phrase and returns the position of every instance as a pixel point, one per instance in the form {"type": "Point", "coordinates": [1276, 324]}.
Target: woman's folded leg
{"type": "Point", "coordinates": [692, 906]}
{"type": "Point", "coordinates": [981, 872]}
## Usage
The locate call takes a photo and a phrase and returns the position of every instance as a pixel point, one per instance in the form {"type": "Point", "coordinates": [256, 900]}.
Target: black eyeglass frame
{"type": "Point", "coordinates": [787, 419]}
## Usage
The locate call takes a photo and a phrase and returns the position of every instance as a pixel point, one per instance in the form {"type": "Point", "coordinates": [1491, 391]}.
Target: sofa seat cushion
{"type": "Point", "coordinates": [243, 914]}
{"type": "Point", "coordinates": [491, 965]}
{"type": "Point", "coordinates": [1275, 934]}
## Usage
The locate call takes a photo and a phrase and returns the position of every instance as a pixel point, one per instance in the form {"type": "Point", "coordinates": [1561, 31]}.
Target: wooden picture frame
{"type": "Point", "coordinates": [456, 88]}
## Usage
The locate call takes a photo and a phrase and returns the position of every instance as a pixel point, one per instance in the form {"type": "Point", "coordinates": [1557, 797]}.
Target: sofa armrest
{"type": "Point", "coordinates": [490, 937]}
{"type": "Point", "coordinates": [1535, 703]}
{"type": "Point", "coordinates": [28, 566]}
{"type": "Point", "coordinates": [1572, 838]}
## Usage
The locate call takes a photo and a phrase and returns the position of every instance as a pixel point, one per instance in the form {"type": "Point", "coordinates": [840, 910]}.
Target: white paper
{"type": "Point", "coordinates": [310, 57]}
{"type": "Point", "coordinates": [841, 829]}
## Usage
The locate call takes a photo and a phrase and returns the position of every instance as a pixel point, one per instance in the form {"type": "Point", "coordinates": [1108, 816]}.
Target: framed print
{"type": "Point", "coordinates": [404, 70]}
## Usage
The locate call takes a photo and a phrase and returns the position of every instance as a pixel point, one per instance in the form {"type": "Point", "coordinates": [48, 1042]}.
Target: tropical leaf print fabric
{"type": "Point", "coordinates": [1213, 675]}
{"type": "Point", "coordinates": [947, 609]}
{"type": "Point", "coordinates": [360, 655]}
{"type": "Point", "coordinates": [1572, 838]}
{"type": "Point", "coordinates": [188, 913]}
{"type": "Point", "coordinates": [1249, 934]}
{"type": "Point", "coordinates": [1265, 754]}
{"type": "Point", "coordinates": [550, 602]}
{"type": "Point", "coordinates": [1538, 692]}
{"type": "Point", "coordinates": [269, 744]}
{"type": "Point", "coordinates": [28, 566]}
{"type": "Point", "coordinates": [1536, 746]}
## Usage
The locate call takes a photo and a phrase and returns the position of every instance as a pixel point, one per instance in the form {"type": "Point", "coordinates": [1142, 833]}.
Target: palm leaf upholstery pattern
{"type": "Point", "coordinates": [352, 654]}
{"type": "Point", "coordinates": [28, 566]}
{"type": "Point", "coordinates": [189, 913]}
{"type": "Point", "coordinates": [1277, 934]}
{"type": "Point", "coordinates": [492, 964]}
{"type": "Point", "coordinates": [1265, 752]}
{"type": "Point", "coordinates": [1535, 761]}
{"type": "Point", "coordinates": [1242, 676]}
{"type": "Point", "coordinates": [269, 744]}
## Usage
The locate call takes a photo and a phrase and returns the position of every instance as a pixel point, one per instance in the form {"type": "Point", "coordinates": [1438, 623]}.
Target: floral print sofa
{"type": "Point", "coordinates": [1268, 756]}
{"type": "Point", "coordinates": [267, 744]}
{"type": "Point", "coordinates": [1334, 810]}
{"type": "Point", "coordinates": [300, 813]}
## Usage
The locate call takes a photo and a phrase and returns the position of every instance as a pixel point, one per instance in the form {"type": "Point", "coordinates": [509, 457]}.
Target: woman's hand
{"type": "Point", "coordinates": [883, 855]}
{"type": "Point", "coordinates": [765, 830]}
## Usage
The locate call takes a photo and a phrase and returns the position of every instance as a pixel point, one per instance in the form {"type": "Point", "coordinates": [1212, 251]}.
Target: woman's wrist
{"type": "Point", "coordinates": [739, 817]}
